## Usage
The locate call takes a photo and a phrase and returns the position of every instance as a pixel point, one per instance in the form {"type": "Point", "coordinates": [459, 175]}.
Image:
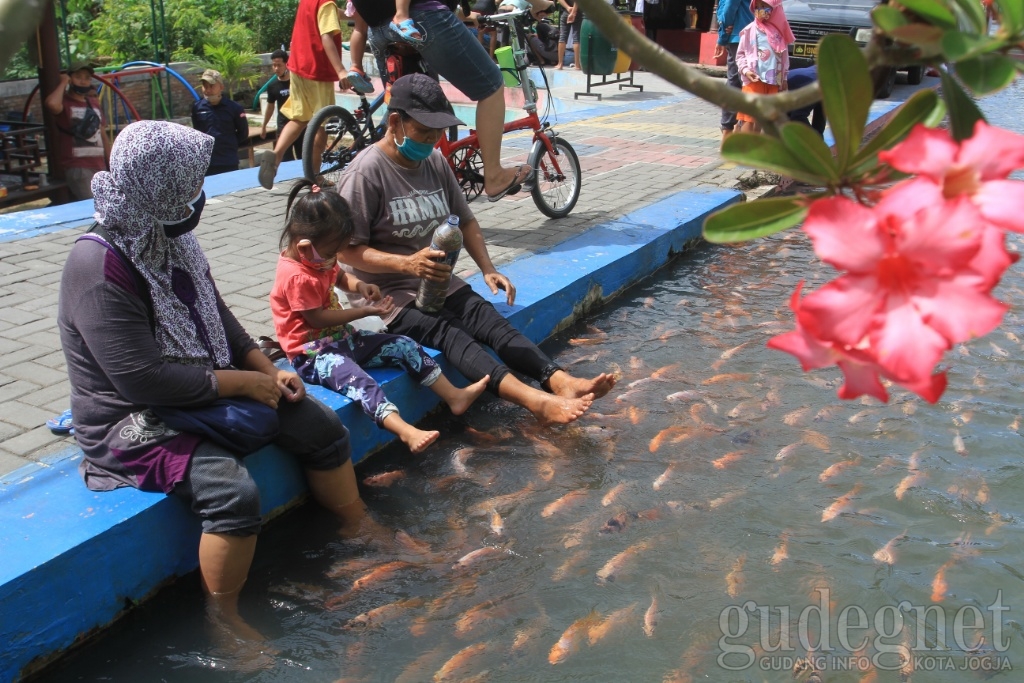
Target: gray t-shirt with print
{"type": "Point", "coordinates": [395, 210]}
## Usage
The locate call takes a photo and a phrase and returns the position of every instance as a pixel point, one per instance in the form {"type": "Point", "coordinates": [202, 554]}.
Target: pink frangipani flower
{"type": "Point", "coordinates": [976, 168]}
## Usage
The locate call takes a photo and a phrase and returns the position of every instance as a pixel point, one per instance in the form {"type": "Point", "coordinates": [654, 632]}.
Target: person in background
{"type": "Point", "coordinates": [813, 115]}
{"type": "Point", "coordinates": [277, 94]}
{"type": "Point", "coordinates": [733, 15]}
{"type": "Point", "coordinates": [316, 65]}
{"type": "Point", "coordinates": [83, 145]}
{"type": "Point", "coordinates": [222, 119]}
{"type": "Point", "coordinates": [357, 49]}
{"type": "Point", "coordinates": [762, 55]}
{"type": "Point", "coordinates": [570, 21]}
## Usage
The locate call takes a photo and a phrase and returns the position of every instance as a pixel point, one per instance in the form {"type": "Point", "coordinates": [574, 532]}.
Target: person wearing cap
{"type": "Point", "coordinates": [400, 189]}
{"type": "Point", "coordinates": [452, 51]}
{"type": "Point", "coordinates": [221, 118]}
{"type": "Point", "coordinates": [83, 145]}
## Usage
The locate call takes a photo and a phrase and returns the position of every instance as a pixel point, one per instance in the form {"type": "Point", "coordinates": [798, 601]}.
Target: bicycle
{"type": "Point", "coordinates": [557, 183]}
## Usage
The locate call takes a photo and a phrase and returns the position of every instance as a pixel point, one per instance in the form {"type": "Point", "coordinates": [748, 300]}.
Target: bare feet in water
{"type": "Point", "coordinates": [416, 439]}
{"type": "Point", "coordinates": [464, 398]}
{"type": "Point", "coordinates": [554, 409]}
{"type": "Point", "coordinates": [565, 385]}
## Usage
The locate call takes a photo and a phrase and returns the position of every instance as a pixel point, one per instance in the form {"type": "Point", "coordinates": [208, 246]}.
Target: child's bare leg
{"type": "Point", "coordinates": [401, 11]}
{"type": "Point", "coordinates": [357, 42]}
{"type": "Point", "coordinates": [459, 400]}
{"type": "Point", "coordinates": [416, 439]}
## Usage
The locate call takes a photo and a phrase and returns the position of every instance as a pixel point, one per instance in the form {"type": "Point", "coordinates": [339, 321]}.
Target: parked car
{"type": "Point", "coordinates": [813, 19]}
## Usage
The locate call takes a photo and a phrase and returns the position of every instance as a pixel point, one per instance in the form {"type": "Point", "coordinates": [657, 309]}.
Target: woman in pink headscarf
{"type": "Point", "coordinates": [762, 56]}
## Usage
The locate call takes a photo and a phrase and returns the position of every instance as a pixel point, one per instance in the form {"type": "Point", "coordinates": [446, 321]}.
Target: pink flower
{"type": "Point", "coordinates": [860, 372]}
{"type": "Point", "coordinates": [975, 168]}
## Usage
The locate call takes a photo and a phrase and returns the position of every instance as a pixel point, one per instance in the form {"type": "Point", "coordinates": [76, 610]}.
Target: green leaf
{"type": "Point", "coordinates": [750, 220]}
{"type": "Point", "coordinates": [932, 11]}
{"type": "Point", "coordinates": [963, 112]}
{"type": "Point", "coordinates": [916, 110]}
{"type": "Point", "coordinates": [986, 73]}
{"type": "Point", "coordinates": [887, 18]}
{"type": "Point", "coordinates": [927, 38]}
{"type": "Point", "coordinates": [1012, 14]}
{"type": "Point", "coordinates": [937, 116]}
{"type": "Point", "coordinates": [973, 12]}
{"type": "Point", "coordinates": [807, 146]}
{"type": "Point", "coordinates": [957, 45]}
{"type": "Point", "coordinates": [762, 151]}
{"type": "Point", "coordinates": [846, 93]}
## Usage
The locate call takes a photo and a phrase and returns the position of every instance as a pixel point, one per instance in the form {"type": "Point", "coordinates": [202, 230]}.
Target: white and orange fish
{"type": "Point", "coordinates": [734, 580]}
{"type": "Point", "coordinates": [572, 637]}
{"type": "Point", "coordinates": [728, 377]}
{"type": "Point", "coordinates": [728, 459]}
{"type": "Point", "coordinates": [614, 567]}
{"type": "Point", "coordinates": [664, 477]}
{"type": "Point", "coordinates": [380, 573]}
{"type": "Point", "coordinates": [612, 494]}
{"type": "Point", "coordinates": [835, 468]}
{"type": "Point", "coordinates": [384, 478]}
{"type": "Point", "coordinates": [613, 622]}
{"type": "Point", "coordinates": [568, 500]}
{"type": "Point", "coordinates": [781, 551]}
{"type": "Point", "coordinates": [478, 555]}
{"type": "Point", "coordinates": [817, 439]}
{"type": "Point", "coordinates": [841, 504]}
{"type": "Point", "coordinates": [726, 355]}
{"type": "Point", "coordinates": [887, 553]}
{"type": "Point", "coordinates": [377, 616]}
{"type": "Point", "coordinates": [569, 567]}
{"type": "Point", "coordinates": [497, 524]}
{"type": "Point", "coordinates": [664, 435]}
{"type": "Point", "coordinates": [651, 617]}
{"type": "Point", "coordinates": [455, 668]}
{"type": "Point", "coordinates": [796, 417]}
{"type": "Point", "coordinates": [687, 395]}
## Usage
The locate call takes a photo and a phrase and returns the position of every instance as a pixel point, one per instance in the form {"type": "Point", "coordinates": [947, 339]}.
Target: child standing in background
{"type": "Point", "coordinates": [762, 56]}
{"type": "Point", "coordinates": [314, 330]}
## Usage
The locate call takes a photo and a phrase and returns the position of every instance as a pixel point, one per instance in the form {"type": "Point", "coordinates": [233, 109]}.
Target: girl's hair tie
{"type": "Point", "coordinates": [314, 188]}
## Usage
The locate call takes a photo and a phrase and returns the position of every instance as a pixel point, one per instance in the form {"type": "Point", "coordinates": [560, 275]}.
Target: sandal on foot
{"type": "Point", "coordinates": [359, 82]}
{"type": "Point", "coordinates": [268, 168]}
{"type": "Point", "coordinates": [61, 424]}
{"type": "Point", "coordinates": [409, 32]}
{"type": "Point", "coordinates": [517, 183]}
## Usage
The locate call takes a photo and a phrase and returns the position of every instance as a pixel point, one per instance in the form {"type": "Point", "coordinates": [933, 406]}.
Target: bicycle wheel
{"type": "Point", "coordinates": [556, 189]}
{"type": "Point", "coordinates": [344, 141]}
{"type": "Point", "coordinates": [469, 171]}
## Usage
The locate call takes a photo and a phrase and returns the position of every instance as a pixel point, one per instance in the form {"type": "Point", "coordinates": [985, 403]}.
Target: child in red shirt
{"type": "Point", "coordinates": [314, 330]}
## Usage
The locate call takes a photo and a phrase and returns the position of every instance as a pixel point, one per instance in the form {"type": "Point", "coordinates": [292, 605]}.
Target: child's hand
{"type": "Point", "coordinates": [369, 292]}
{"type": "Point", "coordinates": [382, 308]}
{"type": "Point", "coordinates": [751, 76]}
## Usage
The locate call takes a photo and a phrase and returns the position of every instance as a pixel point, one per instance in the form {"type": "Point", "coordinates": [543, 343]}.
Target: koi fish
{"type": "Point", "coordinates": [795, 417]}
{"type": "Point", "coordinates": [501, 502]}
{"type": "Point", "coordinates": [476, 615]}
{"type": "Point", "coordinates": [727, 459]}
{"type": "Point", "coordinates": [998, 350]}
{"type": "Point", "coordinates": [610, 497]}
{"type": "Point", "coordinates": [614, 566]}
{"type": "Point", "coordinates": [887, 553]}
{"type": "Point", "coordinates": [841, 504]}
{"type": "Point", "coordinates": [572, 637]}
{"type": "Point", "coordinates": [858, 417]}
{"type": "Point", "coordinates": [728, 377]}
{"type": "Point", "coordinates": [477, 555]}
{"type": "Point", "coordinates": [384, 478]}
{"type": "Point", "coordinates": [545, 470]}
{"type": "Point", "coordinates": [667, 432]}
{"type": "Point", "coordinates": [381, 573]}
{"type": "Point", "coordinates": [585, 359]}
{"type": "Point", "coordinates": [636, 364]}
{"type": "Point", "coordinates": [525, 636]}
{"type": "Point", "coordinates": [787, 450]}
{"type": "Point", "coordinates": [565, 501]}
{"type": "Point", "coordinates": [664, 370]}
{"type": "Point", "coordinates": [835, 468]}
{"type": "Point", "coordinates": [826, 413]}
{"type": "Point", "coordinates": [734, 580]}
{"type": "Point", "coordinates": [636, 415]}
{"type": "Point", "coordinates": [688, 395]}
{"type": "Point", "coordinates": [569, 565]}
{"type": "Point", "coordinates": [587, 341]}
{"type": "Point", "coordinates": [626, 396]}
{"type": "Point", "coordinates": [958, 444]}
{"type": "Point", "coordinates": [637, 383]}
{"type": "Point", "coordinates": [379, 615]}
{"type": "Point", "coordinates": [817, 439]}
{"type": "Point", "coordinates": [1015, 425]}
{"type": "Point", "coordinates": [651, 617]}
{"type": "Point", "coordinates": [497, 523]}
{"type": "Point", "coordinates": [617, 523]}
{"type": "Point", "coordinates": [726, 355]}
{"type": "Point", "coordinates": [724, 499]}
{"type": "Point", "coordinates": [664, 477]}
{"type": "Point", "coordinates": [459, 661]}
{"type": "Point", "coordinates": [545, 447]}
{"type": "Point", "coordinates": [781, 552]}
{"type": "Point", "coordinates": [612, 622]}
{"type": "Point", "coordinates": [459, 458]}
{"type": "Point", "coordinates": [908, 482]}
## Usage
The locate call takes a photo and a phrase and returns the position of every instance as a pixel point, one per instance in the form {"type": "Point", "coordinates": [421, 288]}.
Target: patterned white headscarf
{"type": "Point", "coordinates": [156, 169]}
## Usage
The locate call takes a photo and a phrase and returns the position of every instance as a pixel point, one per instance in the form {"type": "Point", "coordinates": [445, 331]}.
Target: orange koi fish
{"type": "Point", "coordinates": [384, 478]}
{"type": "Point", "coordinates": [572, 637]}
{"type": "Point", "coordinates": [460, 661]}
{"type": "Point", "coordinates": [728, 459]}
{"type": "Point", "coordinates": [614, 566]}
{"type": "Point", "coordinates": [841, 504]}
{"type": "Point", "coordinates": [612, 622]}
{"type": "Point", "coordinates": [571, 498]}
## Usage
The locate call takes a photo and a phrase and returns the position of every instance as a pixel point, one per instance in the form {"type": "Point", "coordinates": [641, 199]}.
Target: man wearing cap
{"type": "Point", "coordinates": [83, 145]}
{"type": "Point", "coordinates": [223, 119]}
{"type": "Point", "coordinates": [400, 189]}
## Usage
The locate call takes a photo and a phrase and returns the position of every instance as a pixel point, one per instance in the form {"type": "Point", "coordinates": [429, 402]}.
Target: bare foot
{"type": "Point", "coordinates": [565, 385]}
{"type": "Point", "coordinates": [553, 409]}
{"type": "Point", "coordinates": [417, 440]}
{"type": "Point", "coordinates": [464, 398]}
{"type": "Point", "coordinates": [559, 67]}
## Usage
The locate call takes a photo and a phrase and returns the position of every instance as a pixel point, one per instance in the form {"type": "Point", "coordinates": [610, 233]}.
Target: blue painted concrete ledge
{"type": "Point", "coordinates": [72, 561]}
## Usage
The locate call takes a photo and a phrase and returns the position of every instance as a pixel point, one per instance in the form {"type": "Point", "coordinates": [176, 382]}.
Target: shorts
{"type": "Point", "coordinates": [569, 33]}
{"type": "Point", "coordinates": [79, 181]}
{"type": "Point", "coordinates": [307, 98]}
{"type": "Point", "coordinates": [756, 88]}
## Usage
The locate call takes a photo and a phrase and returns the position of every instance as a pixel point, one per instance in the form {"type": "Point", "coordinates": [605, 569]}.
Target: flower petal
{"type": "Point", "coordinates": [843, 310]}
{"type": "Point", "coordinates": [845, 234]}
{"type": "Point", "coordinates": [929, 152]}
{"type": "Point", "coordinates": [958, 311]}
{"type": "Point", "coordinates": [929, 388]}
{"type": "Point", "coordinates": [993, 151]}
{"type": "Point", "coordinates": [906, 198]}
{"type": "Point", "coordinates": [811, 353]}
{"type": "Point", "coordinates": [992, 259]}
{"type": "Point", "coordinates": [941, 238]}
{"type": "Point", "coordinates": [861, 379]}
{"type": "Point", "coordinates": [1002, 203]}
{"type": "Point", "coordinates": [903, 344]}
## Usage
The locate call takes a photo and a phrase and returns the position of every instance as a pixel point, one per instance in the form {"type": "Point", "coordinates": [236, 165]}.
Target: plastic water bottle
{"type": "Point", "coordinates": [447, 238]}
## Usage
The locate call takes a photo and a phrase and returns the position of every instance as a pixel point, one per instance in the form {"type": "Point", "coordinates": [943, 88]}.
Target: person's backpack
{"type": "Point", "coordinates": [84, 128]}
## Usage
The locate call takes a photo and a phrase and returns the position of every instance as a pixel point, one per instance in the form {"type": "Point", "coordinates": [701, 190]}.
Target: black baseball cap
{"type": "Point", "coordinates": [421, 97]}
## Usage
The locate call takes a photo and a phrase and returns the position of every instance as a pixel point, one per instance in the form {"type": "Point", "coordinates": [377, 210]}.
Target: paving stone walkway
{"type": "Point", "coordinates": [634, 148]}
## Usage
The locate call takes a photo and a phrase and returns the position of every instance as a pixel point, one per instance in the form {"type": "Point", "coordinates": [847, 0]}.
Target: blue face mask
{"type": "Point", "coordinates": [413, 150]}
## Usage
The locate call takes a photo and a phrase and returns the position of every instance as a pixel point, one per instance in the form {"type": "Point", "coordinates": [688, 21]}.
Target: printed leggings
{"type": "Point", "coordinates": [461, 331]}
{"type": "Point", "coordinates": [338, 365]}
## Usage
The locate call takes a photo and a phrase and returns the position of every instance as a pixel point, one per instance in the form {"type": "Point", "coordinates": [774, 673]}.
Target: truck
{"type": "Point", "coordinates": [811, 20]}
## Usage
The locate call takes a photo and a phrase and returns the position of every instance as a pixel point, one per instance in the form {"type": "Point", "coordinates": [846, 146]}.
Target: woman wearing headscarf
{"type": "Point", "coordinates": [144, 329]}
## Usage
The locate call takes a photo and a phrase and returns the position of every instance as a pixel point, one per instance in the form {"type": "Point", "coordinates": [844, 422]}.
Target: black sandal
{"type": "Point", "coordinates": [270, 348]}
